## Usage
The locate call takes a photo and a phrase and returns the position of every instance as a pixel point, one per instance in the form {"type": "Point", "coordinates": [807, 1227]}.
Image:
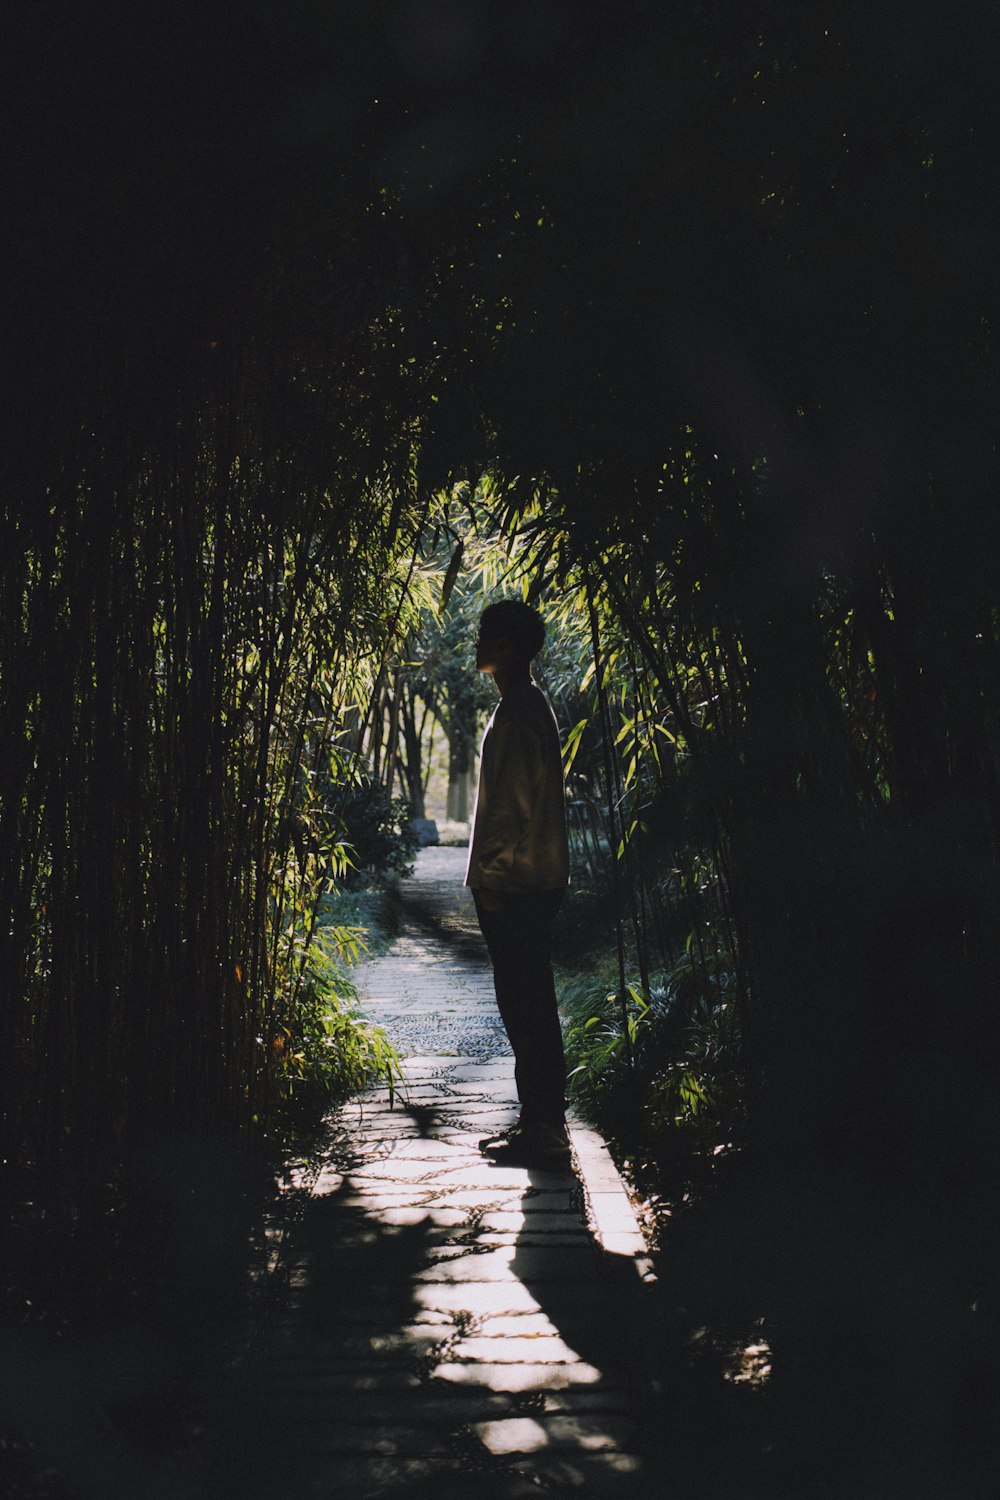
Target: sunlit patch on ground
{"type": "Point", "coordinates": [750, 1365]}
{"type": "Point", "coordinates": [440, 1305]}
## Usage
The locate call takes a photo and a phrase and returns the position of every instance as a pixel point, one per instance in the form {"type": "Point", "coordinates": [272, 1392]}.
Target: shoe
{"type": "Point", "coordinates": [531, 1146]}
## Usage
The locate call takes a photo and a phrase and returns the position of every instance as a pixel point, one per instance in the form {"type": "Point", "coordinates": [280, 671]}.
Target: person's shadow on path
{"type": "Point", "coordinates": [601, 1311]}
{"type": "Point", "coordinates": [347, 1358]}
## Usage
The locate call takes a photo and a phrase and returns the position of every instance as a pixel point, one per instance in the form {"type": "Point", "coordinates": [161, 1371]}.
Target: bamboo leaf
{"type": "Point", "coordinates": [451, 576]}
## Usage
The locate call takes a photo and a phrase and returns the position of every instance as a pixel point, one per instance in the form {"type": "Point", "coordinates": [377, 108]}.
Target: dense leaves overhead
{"type": "Point", "coordinates": [610, 228]}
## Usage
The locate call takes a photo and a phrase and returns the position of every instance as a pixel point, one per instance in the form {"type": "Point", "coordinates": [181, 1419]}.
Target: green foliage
{"type": "Point", "coordinates": [718, 324]}
{"type": "Point", "coordinates": [376, 829]}
{"type": "Point", "coordinates": [183, 648]}
{"type": "Point", "coordinates": [442, 649]}
{"type": "Point", "coordinates": [327, 1048]}
{"type": "Point", "coordinates": [435, 681]}
{"type": "Point", "coordinates": [666, 1067]}
{"type": "Point", "coordinates": [371, 910]}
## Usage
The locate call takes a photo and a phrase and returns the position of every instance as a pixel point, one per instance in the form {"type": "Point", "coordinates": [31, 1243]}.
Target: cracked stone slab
{"type": "Point", "coordinates": [518, 1377]}
{"type": "Point", "coordinates": [547, 1433]}
{"type": "Point", "coordinates": [451, 1327]}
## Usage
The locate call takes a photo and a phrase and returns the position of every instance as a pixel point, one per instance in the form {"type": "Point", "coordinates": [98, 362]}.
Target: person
{"type": "Point", "coordinates": [518, 870]}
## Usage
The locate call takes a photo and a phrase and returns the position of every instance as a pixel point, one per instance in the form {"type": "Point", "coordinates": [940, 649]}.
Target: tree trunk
{"type": "Point", "coordinates": [411, 767]}
{"type": "Point", "coordinates": [460, 793]}
{"type": "Point", "coordinates": [461, 764]}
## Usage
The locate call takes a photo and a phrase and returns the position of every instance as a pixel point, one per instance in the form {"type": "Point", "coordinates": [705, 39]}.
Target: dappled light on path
{"type": "Point", "coordinates": [451, 1325]}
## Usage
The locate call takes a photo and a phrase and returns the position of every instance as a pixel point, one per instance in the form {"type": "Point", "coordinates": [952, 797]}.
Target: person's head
{"type": "Point", "coordinates": [510, 634]}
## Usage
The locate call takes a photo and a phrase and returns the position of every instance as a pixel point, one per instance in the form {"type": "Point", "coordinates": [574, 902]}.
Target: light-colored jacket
{"type": "Point", "coordinates": [518, 838]}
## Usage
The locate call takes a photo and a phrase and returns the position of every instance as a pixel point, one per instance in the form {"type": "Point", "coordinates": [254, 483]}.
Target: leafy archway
{"type": "Point", "coordinates": [713, 295]}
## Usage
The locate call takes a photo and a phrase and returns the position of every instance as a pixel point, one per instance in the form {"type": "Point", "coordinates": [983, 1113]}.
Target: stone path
{"type": "Point", "coordinates": [452, 1328]}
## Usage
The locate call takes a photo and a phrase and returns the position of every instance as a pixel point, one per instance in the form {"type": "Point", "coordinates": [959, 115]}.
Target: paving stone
{"type": "Point", "coordinates": [527, 1238]}
{"type": "Point", "coordinates": [421, 1213]}
{"type": "Point", "coordinates": [601, 1176]}
{"type": "Point", "coordinates": [532, 1434]}
{"type": "Point", "coordinates": [451, 1328]}
{"type": "Point", "coordinates": [518, 1377]}
{"type": "Point", "coordinates": [512, 1435]}
{"type": "Point", "coordinates": [328, 1181]}
{"type": "Point", "coordinates": [378, 1195]}
{"type": "Point", "coordinates": [469, 1072]}
{"type": "Point", "coordinates": [509, 1349]}
{"type": "Point", "coordinates": [614, 1212]}
{"type": "Point", "coordinates": [473, 1091]}
{"type": "Point", "coordinates": [476, 1297]}
{"type": "Point", "coordinates": [539, 1222]}
{"type": "Point", "coordinates": [403, 1169]}
{"type": "Point", "coordinates": [534, 1264]}
{"type": "Point", "coordinates": [628, 1246]}
{"type": "Point", "coordinates": [429, 1150]}
{"type": "Point", "coordinates": [518, 1325]}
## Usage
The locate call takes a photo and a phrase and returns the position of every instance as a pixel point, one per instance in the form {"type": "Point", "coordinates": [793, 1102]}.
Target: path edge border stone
{"type": "Point", "coordinates": [611, 1217]}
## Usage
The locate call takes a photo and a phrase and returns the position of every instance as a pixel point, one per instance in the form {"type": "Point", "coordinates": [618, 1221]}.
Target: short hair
{"type": "Point", "coordinates": [516, 622]}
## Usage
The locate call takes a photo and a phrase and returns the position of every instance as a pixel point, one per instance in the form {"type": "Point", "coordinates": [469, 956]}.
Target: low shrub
{"type": "Point", "coordinates": [377, 829]}
{"type": "Point", "coordinates": [669, 1068]}
{"type": "Point", "coordinates": [328, 1048]}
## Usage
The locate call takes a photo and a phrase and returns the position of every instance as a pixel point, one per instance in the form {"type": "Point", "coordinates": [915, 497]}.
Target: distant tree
{"type": "Point", "coordinates": [444, 679]}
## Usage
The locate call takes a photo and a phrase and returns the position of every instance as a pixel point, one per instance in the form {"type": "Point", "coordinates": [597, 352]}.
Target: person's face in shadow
{"type": "Point", "coordinates": [498, 657]}
{"type": "Point", "coordinates": [493, 652]}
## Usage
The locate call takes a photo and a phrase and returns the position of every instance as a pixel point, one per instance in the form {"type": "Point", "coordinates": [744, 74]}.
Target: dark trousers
{"type": "Point", "coordinates": [519, 940]}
